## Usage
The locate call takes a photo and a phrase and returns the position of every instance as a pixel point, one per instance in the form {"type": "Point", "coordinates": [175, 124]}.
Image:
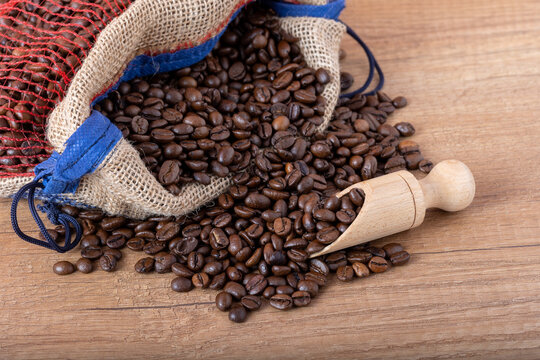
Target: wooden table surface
{"type": "Point", "coordinates": [471, 72]}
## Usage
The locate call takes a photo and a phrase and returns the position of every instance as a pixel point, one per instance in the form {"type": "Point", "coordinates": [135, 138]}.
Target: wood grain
{"type": "Point", "coordinates": [471, 72]}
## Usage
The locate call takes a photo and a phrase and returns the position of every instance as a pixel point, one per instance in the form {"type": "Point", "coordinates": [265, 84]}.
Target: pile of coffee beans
{"type": "Point", "coordinates": [254, 243]}
{"type": "Point", "coordinates": [253, 91]}
{"type": "Point", "coordinates": [42, 46]}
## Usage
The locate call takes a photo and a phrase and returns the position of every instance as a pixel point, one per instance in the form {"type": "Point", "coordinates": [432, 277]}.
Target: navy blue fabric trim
{"type": "Point", "coordinates": [144, 65]}
{"type": "Point", "coordinates": [85, 150]}
{"type": "Point", "coordinates": [328, 11]}
{"type": "Point", "coordinates": [373, 66]}
{"type": "Point", "coordinates": [55, 216]}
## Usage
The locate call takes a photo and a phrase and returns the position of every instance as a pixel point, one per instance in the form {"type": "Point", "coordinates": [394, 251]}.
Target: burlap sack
{"type": "Point", "coordinates": [122, 185]}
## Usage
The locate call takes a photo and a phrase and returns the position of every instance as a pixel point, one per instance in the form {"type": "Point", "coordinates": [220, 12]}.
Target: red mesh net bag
{"type": "Point", "coordinates": [43, 43]}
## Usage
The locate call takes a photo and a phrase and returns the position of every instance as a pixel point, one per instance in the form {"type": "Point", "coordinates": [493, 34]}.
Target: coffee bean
{"type": "Point", "coordinates": [405, 128]}
{"type": "Point", "coordinates": [117, 254]}
{"type": "Point", "coordinates": [425, 166]}
{"type": "Point", "coordinates": [378, 264]}
{"type": "Point", "coordinates": [399, 102]}
{"type": "Point", "coordinates": [164, 262]}
{"type": "Point", "coordinates": [391, 249]}
{"type": "Point", "coordinates": [84, 265]}
{"type": "Point", "coordinates": [309, 286]}
{"type": "Point", "coordinates": [170, 172]}
{"type": "Point", "coordinates": [223, 301]}
{"type": "Point", "coordinates": [145, 265]}
{"type": "Point", "coordinates": [200, 280]}
{"type": "Point", "coordinates": [91, 253]}
{"type": "Point", "coordinates": [181, 284]}
{"type": "Point", "coordinates": [281, 123]}
{"type": "Point", "coordinates": [399, 258]}
{"type": "Point", "coordinates": [237, 313]}
{"type": "Point", "coordinates": [181, 270]}
{"type": "Point", "coordinates": [107, 263]}
{"type": "Point", "coordinates": [63, 268]}
{"type": "Point", "coordinates": [251, 302]}
{"type": "Point", "coordinates": [135, 244]}
{"type": "Point", "coordinates": [345, 273]}
{"type": "Point", "coordinates": [322, 76]}
{"type": "Point", "coordinates": [256, 285]}
{"type": "Point", "coordinates": [359, 256]}
{"type": "Point", "coordinates": [116, 241]}
{"type": "Point", "coordinates": [168, 231]}
{"type": "Point", "coordinates": [346, 81]}
{"type": "Point", "coordinates": [360, 269]}
{"type": "Point", "coordinates": [281, 302]}
{"type": "Point", "coordinates": [154, 247]}
{"type": "Point", "coordinates": [301, 298]}
{"type": "Point", "coordinates": [235, 289]}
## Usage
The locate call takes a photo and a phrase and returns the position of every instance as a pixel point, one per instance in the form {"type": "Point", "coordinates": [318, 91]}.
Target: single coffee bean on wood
{"type": "Point", "coordinates": [63, 268]}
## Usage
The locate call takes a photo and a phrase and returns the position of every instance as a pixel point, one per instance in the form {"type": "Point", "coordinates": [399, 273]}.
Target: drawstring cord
{"type": "Point", "coordinates": [373, 66]}
{"type": "Point", "coordinates": [54, 215]}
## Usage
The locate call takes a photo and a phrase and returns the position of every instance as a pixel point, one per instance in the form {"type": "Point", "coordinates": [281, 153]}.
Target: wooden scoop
{"type": "Point", "coordinates": [398, 201]}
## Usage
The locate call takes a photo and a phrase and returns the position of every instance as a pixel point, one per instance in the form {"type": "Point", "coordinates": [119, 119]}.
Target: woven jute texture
{"type": "Point", "coordinates": [123, 185]}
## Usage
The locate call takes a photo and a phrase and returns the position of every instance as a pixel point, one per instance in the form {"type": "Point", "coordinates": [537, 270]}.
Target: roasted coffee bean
{"type": "Point", "coordinates": [235, 289]}
{"type": "Point", "coordinates": [164, 262]}
{"type": "Point", "coordinates": [116, 241]}
{"type": "Point", "coordinates": [145, 265]}
{"type": "Point", "coordinates": [63, 268]}
{"type": "Point", "coordinates": [88, 241]}
{"type": "Point", "coordinates": [281, 301]}
{"type": "Point", "coordinates": [391, 249]}
{"type": "Point", "coordinates": [405, 128]}
{"type": "Point", "coordinates": [378, 264]}
{"type": "Point", "coordinates": [336, 260]}
{"type": "Point", "coordinates": [168, 231]}
{"type": "Point", "coordinates": [301, 298]}
{"type": "Point", "coordinates": [360, 269]}
{"type": "Point", "coordinates": [425, 166]}
{"type": "Point", "coordinates": [224, 301]}
{"type": "Point", "coordinates": [107, 263]}
{"type": "Point", "coordinates": [91, 252]}
{"type": "Point", "coordinates": [84, 265]}
{"type": "Point", "coordinates": [200, 280]}
{"type": "Point", "coordinates": [346, 81]}
{"type": "Point", "coordinates": [251, 302]}
{"type": "Point", "coordinates": [399, 102]}
{"type": "Point", "coordinates": [256, 285]}
{"type": "Point", "coordinates": [111, 223]}
{"type": "Point", "coordinates": [359, 256]}
{"type": "Point", "coordinates": [135, 244]}
{"type": "Point", "coordinates": [345, 273]}
{"type": "Point", "coordinates": [322, 76]}
{"type": "Point", "coordinates": [399, 258]}
{"type": "Point", "coordinates": [181, 284]}
{"type": "Point", "coordinates": [181, 270]}
{"type": "Point", "coordinates": [117, 254]}
{"type": "Point", "coordinates": [154, 247]}
{"type": "Point", "coordinates": [375, 251]}
{"type": "Point", "coordinates": [310, 286]}
{"type": "Point", "coordinates": [237, 313]}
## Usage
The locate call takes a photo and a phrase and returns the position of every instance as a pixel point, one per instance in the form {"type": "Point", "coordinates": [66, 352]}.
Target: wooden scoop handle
{"type": "Point", "coordinates": [398, 201]}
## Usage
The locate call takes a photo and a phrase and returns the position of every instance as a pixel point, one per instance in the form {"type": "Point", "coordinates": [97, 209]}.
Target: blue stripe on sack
{"type": "Point", "coordinates": [144, 65]}
{"type": "Point", "coordinates": [84, 151]}
{"type": "Point", "coordinates": [328, 11]}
